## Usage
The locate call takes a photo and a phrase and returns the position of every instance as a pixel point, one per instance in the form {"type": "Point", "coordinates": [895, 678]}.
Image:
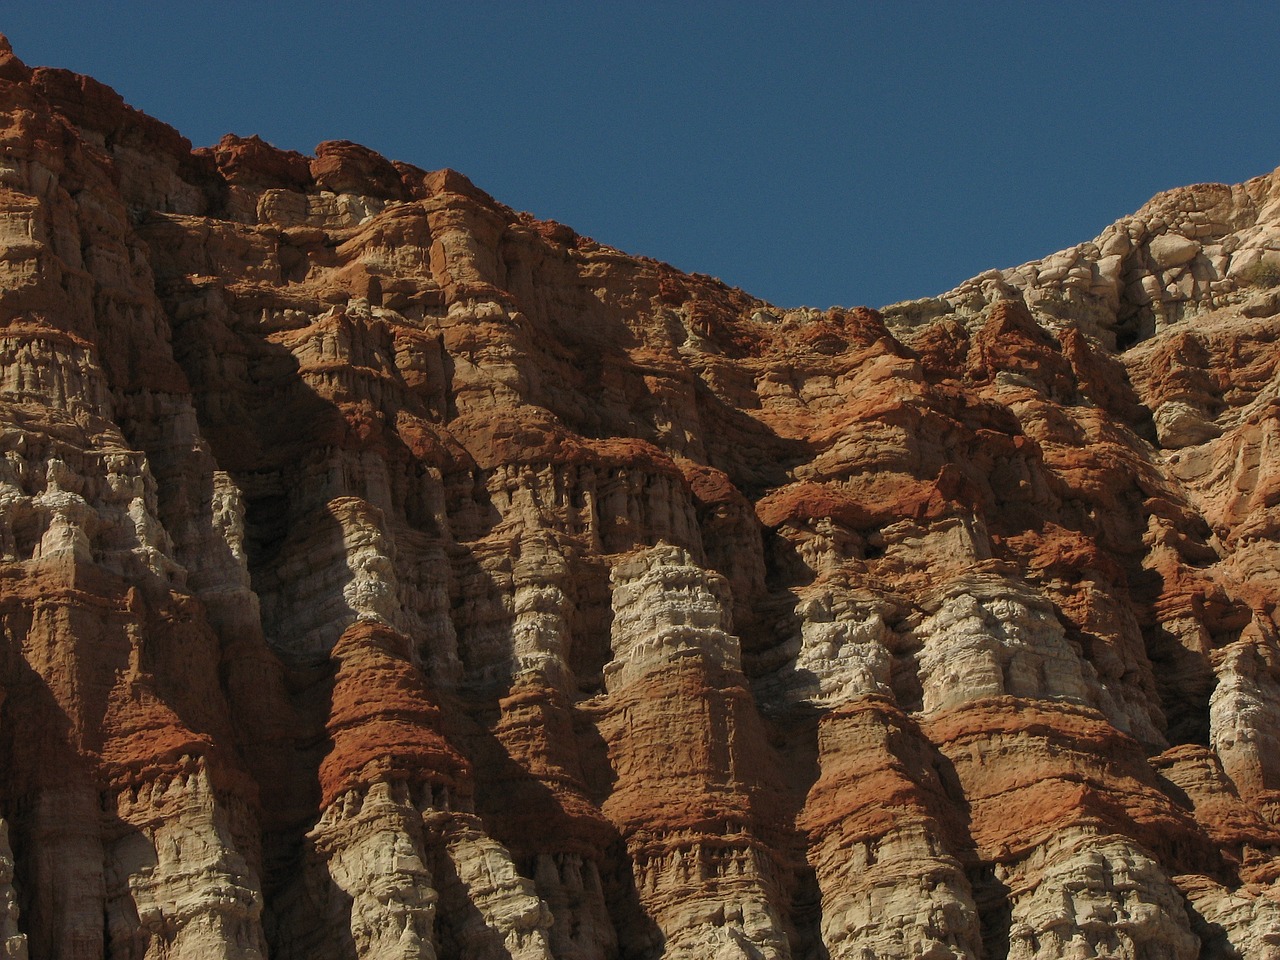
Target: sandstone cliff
{"type": "Point", "coordinates": [390, 574]}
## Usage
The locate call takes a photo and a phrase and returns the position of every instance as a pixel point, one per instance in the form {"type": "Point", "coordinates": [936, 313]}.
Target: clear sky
{"type": "Point", "coordinates": [811, 153]}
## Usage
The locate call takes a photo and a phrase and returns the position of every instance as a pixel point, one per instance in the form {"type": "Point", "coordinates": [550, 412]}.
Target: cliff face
{"type": "Point", "coordinates": [389, 574]}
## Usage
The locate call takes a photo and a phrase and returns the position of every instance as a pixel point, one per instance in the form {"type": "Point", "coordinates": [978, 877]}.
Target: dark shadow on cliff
{"type": "Point", "coordinates": [790, 725]}
{"type": "Point", "coordinates": [270, 431]}
{"type": "Point", "coordinates": [495, 713]}
{"type": "Point", "coordinates": [74, 856]}
{"type": "Point", "coordinates": [793, 735]}
{"type": "Point", "coordinates": [460, 927]}
{"type": "Point", "coordinates": [32, 721]}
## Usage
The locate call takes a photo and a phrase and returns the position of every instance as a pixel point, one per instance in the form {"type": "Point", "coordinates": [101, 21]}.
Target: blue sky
{"type": "Point", "coordinates": [811, 153]}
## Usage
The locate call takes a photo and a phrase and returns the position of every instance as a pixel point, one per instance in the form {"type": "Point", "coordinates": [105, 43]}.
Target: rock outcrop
{"type": "Point", "coordinates": [387, 573]}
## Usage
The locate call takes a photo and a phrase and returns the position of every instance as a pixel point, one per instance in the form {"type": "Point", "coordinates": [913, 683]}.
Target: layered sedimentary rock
{"type": "Point", "coordinates": [387, 573]}
{"type": "Point", "coordinates": [693, 798]}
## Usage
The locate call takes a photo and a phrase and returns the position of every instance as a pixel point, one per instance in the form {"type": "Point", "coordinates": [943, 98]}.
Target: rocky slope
{"type": "Point", "coordinates": [390, 574]}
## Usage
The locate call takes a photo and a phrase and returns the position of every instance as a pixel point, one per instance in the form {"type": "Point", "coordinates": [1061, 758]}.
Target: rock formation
{"type": "Point", "coordinates": [391, 574]}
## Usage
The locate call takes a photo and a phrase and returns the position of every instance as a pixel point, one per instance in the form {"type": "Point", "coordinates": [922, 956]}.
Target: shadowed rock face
{"type": "Point", "coordinates": [385, 573]}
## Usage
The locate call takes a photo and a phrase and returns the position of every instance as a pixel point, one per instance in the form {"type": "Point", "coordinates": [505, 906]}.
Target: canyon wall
{"type": "Point", "coordinates": [387, 573]}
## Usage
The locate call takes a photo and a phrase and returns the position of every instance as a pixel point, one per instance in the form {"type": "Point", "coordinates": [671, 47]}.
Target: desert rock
{"type": "Point", "coordinates": [388, 573]}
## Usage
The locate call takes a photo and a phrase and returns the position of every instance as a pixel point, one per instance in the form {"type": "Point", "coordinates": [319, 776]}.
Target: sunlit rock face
{"type": "Point", "coordinates": [390, 574]}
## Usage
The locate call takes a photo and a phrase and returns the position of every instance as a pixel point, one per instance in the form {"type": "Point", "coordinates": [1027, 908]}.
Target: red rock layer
{"type": "Point", "coordinates": [382, 722]}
